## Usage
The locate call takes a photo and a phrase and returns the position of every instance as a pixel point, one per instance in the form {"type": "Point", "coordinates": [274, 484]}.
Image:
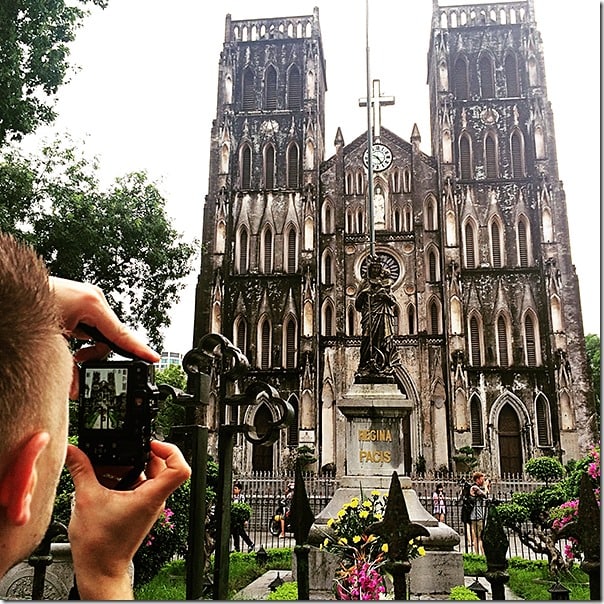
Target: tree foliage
{"type": "Point", "coordinates": [119, 239]}
{"type": "Point", "coordinates": [531, 515]}
{"type": "Point", "coordinates": [34, 48]}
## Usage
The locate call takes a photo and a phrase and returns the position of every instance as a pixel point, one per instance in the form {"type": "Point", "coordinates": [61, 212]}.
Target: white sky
{"type": "Point", "coordinates": [144, 98]}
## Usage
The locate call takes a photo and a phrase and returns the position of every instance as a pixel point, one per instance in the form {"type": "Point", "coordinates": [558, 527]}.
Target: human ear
{"type": "Point", "coordinates": [18, 482]}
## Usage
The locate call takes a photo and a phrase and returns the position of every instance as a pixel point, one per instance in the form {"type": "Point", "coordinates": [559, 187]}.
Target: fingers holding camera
{"type": "Point", "coordinates": [86, 303]}
{"type": "Point", "coordinates": [108, 526]}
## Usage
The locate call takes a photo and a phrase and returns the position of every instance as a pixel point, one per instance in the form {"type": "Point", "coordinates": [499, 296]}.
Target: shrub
{"type": "Point", "coordinates": [287, 591]}
{"type": "Point", "coordinates": [546, 469]}
{"type": "Point", "coordinates": [462, 593]}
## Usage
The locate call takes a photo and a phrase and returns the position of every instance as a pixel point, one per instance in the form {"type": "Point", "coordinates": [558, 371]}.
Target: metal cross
{"type": "Point", "coordinates": [377, 100]}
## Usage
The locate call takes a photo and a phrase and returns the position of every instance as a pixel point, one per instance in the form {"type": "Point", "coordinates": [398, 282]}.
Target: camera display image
{"type": "Point", "coordinates": [105, 398]}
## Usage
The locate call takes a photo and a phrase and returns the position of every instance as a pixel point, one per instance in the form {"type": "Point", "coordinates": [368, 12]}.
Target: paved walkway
{"type": "Point", "coordinates": [259, 589]}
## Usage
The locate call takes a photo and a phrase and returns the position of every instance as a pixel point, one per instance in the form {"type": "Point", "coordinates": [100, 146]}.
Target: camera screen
{"type": "Point", "coordinates": [105, 398]}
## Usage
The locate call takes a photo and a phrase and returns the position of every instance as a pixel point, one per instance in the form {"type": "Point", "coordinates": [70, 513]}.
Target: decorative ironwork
{"type": "Point", "coordinates": [219, 358]}
{"type": "Point", "coordinates": [397, 530]}
{"type": "Point", "coordinates": [496, 543]}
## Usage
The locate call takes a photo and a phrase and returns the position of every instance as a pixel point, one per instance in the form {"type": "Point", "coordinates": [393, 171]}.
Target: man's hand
{"type": "Point", "coordinates": [107, 526]}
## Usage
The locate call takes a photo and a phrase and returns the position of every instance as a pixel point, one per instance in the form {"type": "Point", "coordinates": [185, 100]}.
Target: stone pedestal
{"type": "Point", "coordinates": [375, 448]}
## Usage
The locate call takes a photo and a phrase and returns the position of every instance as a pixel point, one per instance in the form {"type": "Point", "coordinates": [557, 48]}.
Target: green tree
{"type": "Point", "coordinates": [592, 343]}
{"type": "Point", "coordinates": [119, 239]}
{"type": "Point", "coordinates": [34, 47]}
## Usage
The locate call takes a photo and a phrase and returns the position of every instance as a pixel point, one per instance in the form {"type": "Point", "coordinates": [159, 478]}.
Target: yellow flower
{"type": "Point", "coordinates": [354, 502]}
{"type": "Point", "coordinates": [356, 539]}
{"type": "Point", "coordinates": [363, 514]}
{"type": "Point", "coordinates": [326, 542]}
{"type": "Point", "coordinates": [378, 516]}
{"type": "Point", "coordinates": [342, 513]}
{"type": "Point", "coordinates": [421, 551]}
{"type": "Point", "coordinates": [343, 541]}
{"type": "Point", "coordinates": [385, 547]}
{"type": "Point", "coordinates": [375, 493]}
{"type": "Point", "coordinates": [367, 504]}
{"type": "Point", "coordinates": [371, 538]}
{"type": "Point", "coordinates": [330, 522]}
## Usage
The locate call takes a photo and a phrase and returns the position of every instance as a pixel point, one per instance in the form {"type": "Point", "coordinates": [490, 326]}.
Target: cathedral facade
{"type": "Point", "coordinates": [487, 324]}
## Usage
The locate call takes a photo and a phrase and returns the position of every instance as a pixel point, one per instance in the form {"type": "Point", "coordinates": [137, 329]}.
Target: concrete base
{"type": "Point", "coordinates": [435, 573]}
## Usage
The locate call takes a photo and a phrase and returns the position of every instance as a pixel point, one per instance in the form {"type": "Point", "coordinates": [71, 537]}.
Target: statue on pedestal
{"type": "Point", "coordinates": [375, 302]}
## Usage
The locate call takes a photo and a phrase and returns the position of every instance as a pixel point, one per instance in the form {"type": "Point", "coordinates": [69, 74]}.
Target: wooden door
{"type": "Point", "coordinates": [262, 456]}
{"type": "Point", "coordinates": [510, 441]}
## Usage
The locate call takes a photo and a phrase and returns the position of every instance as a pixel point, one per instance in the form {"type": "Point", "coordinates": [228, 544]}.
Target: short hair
{"type": "Point", "coordinates": [29, 326]}
{"type": "Point", "coordinates": [477, 475]}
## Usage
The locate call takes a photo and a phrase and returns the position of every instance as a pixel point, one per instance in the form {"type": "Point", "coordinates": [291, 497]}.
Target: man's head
{"type": "Point", "coordinates": [36, 371]}
{"type": "Point", "coordinates": [478, 477]}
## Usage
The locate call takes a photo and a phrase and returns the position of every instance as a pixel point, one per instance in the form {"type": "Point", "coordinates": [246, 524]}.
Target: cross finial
{"type": "Point", "coordinates": [377, 100]}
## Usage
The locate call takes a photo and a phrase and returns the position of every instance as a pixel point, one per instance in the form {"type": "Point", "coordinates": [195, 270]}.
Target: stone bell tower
{"type": "Point", "coordinates": [518, 369]}
{"type": "Point", "coordinates": [258, 267]}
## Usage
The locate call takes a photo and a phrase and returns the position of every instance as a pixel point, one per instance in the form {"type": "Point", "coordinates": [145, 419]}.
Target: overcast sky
{"type": "Point", "coordinates": [144, 98]}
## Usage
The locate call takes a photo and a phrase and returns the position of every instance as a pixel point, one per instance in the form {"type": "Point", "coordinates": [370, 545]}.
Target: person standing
{"type": "Point", "coordinates": [238, 522]}
{"type": "Point", "coordinates": [287, 503]}
{"type": "Point", "coordinates": [439, 507]}
{"type": "Point", "coordinates": [479, 492]}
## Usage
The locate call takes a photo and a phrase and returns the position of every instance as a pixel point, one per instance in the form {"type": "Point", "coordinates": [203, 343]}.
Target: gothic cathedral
{"type": "Point", "coordinates": [487, 320]}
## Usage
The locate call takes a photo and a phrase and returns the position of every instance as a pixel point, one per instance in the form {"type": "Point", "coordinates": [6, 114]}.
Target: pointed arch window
{"type": "Point", "coordinates": [293, 166]}
{"type": "Point", "coordinates": [398, 220]}
{"type": "Point", "coordinates": [496, 245]}
{"type": "Point", "coordinates": [517, 150]}
{"type": "Point", "coordinates": [544, 422]}
{"type": "Point", "coordinates": [432, 266]}
{"type": "Point", "coordinates": [241, 334]}
{"type": "Point", "coordinates": [476, 422]}
{"type": "Point", "coordinates": [396, 321]}
{"type": "Point", "coordinates": [465, 156]}
{"type": "Point", "coordinates": [248, 92]}
{"type": "Point", "coordinates": [395, 181]}
{"type": "Point", "coordinates": [290, 348]}
{"type": "Point", "coordinates": [360, 221]}
{"type": "Point", "coordinates": [265, 344]}
{"type": "Point", "coordinates": [431, 217]}
{"type": "Point", "coordinates": [270, 88]}
{"type": "Point", "coordinates": [475, 342]}
{"type": "Point", "coordinates": [511, 74]}
{"type": "Point", "coordinates": [267, 251]}
{"type": "Point", "coordinates": [360, 183]}
{"type": "Point", "coordinates": [327, 269]}
{"type": "Point", "coordinates": [434, 317]}
{"type": "Point", "coordinates": [406, 180]}
{"type": "Point", "coordinates": [349, 221]}
{"type": "Point", "coordinates": [242, 255]}
{"type": "Point", "coordinates": [291, 240]}
{"type": "Point", "coordinates": [328, 320]}
{"type": "Point", "coordinates": [408, 218]}
{"type": "Point", "coordinates": [245, 166]}
{"type": "Point", "coordinates": [470, 245]}
{"type": "Point", "coordinates": [487, 79]}
{"type": "Point", "coordinates": [349, 183]}
{"type": "Point", "coordinates": [328, 217]}
{"type": "Point", "coordinates": [491, 162]}
{"type": "Point", "coordinates": [350, 316]}
{"type": "Point", "coordinates": [461, 83]}
{"type": "Point", "coordinates": [411, 319]}
{"type": "Point", "coordinates": [502, 342]}
{"type": "Point", "coordinates": [269, 167]}
{"type": "Point", "coordinates": [522, 233]}
{"type": "Point", "coordinates": [530, 340]}
{"type": "Point", "coordinates": [294, 88]}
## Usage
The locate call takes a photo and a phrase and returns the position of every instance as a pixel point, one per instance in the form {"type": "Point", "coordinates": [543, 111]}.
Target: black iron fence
{"type": "Point", "coordinates": [264, 492]}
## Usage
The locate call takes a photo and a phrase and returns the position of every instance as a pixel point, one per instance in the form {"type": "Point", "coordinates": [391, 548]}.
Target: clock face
{"type": "Point", "coordinates": [381, 157]}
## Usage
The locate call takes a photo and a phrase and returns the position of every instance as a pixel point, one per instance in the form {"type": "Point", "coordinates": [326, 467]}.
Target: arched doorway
{"type": "Point", "coordinates": [262, 456]}
{"type": "Point", "coordinates": [510, 441]}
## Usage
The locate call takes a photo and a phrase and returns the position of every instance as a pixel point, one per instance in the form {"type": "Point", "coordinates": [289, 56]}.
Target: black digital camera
{"type": "Point", "coordinates": [118, 405]}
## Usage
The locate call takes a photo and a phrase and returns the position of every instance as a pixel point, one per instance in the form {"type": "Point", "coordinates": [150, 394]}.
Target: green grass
{"type": "Point", "coordinates": [170, 582]}
{"type": "Point", "coordinates": [531, 579]}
